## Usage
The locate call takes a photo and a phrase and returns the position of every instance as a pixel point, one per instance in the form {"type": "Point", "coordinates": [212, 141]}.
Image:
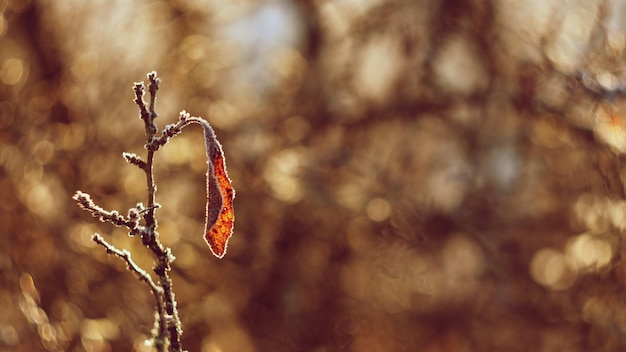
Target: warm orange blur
{"type": "Point", "coordinates": [410, 175]}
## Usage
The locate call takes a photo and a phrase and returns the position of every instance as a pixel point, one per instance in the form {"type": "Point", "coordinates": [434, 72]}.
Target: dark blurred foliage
{"type": "Point", "coordinates": [410, 175]}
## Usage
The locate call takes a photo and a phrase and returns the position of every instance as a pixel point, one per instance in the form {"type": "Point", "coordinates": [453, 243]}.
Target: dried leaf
{"type": "Point", "coordinates": [220, 215]}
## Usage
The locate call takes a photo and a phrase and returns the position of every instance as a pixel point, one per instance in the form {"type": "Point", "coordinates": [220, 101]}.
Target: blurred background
{"type": "Point", "coordinates": [410, 174]}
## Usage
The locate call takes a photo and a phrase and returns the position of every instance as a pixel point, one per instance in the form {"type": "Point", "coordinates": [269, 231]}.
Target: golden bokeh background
{"type": "Point", "coordinates": [410, 175]}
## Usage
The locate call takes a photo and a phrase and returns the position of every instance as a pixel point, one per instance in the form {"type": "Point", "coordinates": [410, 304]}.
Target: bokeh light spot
{"type": "Point", "coordinates": [99, 329]}
{"type": "Point", "coordinates": [223, 115]}
{"type": "Point", "coordinates": [282, 175]}
{"type": "Point", "coordinates": [380, 64]}
{"type": "Point", "coordinates": [378, 209]}
{"type": "Point", "coordinates": [9, 336]}
{"type": "Point", "coordinates": [458, 68]}
{"type": "Point", "coordinates": [43, 152]}
{"type": "Point", "coordinates": [39, 199]}
{"type": "Point", "coordinates": [463, 259]}
{"type": "Point", "coordinates": [12, 71]}
{"type": "Point", "coordinates": [567, 49]}
{"type": "Point", "coordinates": [548, 268]}
{"type": "Point", "coordinates": [72, 136]}
{"type": "Point", "coordinates": [610, 128]}
{"type": "Point", "coordinates": [587, 252]}
{"type": "Point", "coordinates": [296, 128]}
{"type": "Point", "coordinates": [195, 47]}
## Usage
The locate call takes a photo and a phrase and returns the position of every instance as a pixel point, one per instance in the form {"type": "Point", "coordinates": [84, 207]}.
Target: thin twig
{"type": "Point", "coordinates": [132, 266]}
{"type": "Point", "coordinates": [114, 217]}
{"type": "Point", "coordinates": [150, 235]}
{"type": "Point", "coordinates": [143, 276]}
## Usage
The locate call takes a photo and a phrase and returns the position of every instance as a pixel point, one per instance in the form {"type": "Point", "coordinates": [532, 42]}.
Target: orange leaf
{"type": "Point", "coordinates": [220, 214]}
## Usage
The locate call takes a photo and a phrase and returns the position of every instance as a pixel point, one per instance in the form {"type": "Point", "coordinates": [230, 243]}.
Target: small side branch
{"type": "Point", "coordinates": [157, 291]}
{"type": "Point", "coordinates": [169, 131]}
{"type": "Point", "coordinates": [131, 221]}
{"type": "Point", "coordinates": [147, 113]}
{"type": "Point", "coordinates": [134, 159]}
{"type": "Point", "coordinates": [132, 266]}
